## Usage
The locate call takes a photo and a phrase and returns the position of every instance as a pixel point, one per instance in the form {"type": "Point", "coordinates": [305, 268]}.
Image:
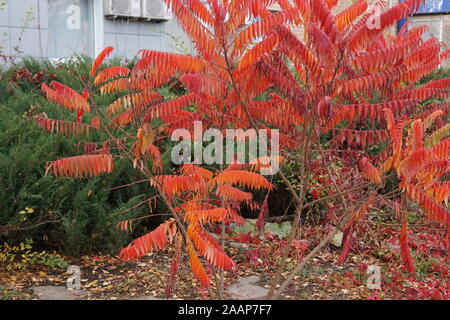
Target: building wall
{"type": "Point", "coordinates": [439, 24]}
{"type": "Point", "coordinates": [24, 27]}
{"type": "Point", "coordinates": [25, 31]}
{"type": "Point", "coordinates": [130, 36]}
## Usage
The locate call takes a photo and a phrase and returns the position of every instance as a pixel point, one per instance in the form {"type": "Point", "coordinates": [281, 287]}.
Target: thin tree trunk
{"type": "Point", "coordinates": [310, 255]}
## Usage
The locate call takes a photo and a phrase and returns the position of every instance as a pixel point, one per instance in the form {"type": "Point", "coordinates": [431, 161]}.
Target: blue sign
{"type": "Point", "coordinates": [434, 6]}
{"type": "Point", "coordinates": [430, 7]}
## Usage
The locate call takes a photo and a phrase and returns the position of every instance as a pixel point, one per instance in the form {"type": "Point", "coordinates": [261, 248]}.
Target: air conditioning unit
{"type": "Point", "coordinates": [122, 8]}
{"type": "Point", "coordinates": [155, 10]}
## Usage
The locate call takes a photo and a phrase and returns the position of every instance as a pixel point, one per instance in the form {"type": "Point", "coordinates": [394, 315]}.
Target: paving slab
{"type": "Point", "coordinates": [245, 288]}
{"type": "Point", "coordinates": [148, 298]}
{"type": "Point", "coordinates": [57, 293]}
